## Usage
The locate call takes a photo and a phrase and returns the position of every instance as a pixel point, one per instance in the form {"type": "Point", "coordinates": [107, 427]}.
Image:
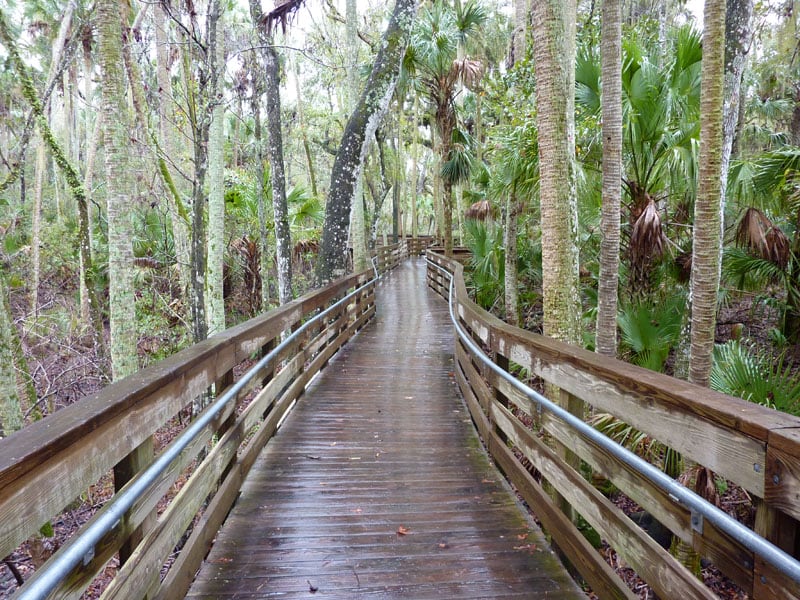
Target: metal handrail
{"type": "Point", "coordinates": [81, 548]}
{"type": "Point", "coordinates": [700, 508]}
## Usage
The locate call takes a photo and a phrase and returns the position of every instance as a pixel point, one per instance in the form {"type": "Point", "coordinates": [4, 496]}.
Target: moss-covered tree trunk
{"type": "Point", "coordinates": [283, 245]}
{"type": "Point", "coordinates": [215, 304]}
{"type": "Point", "coordinates": [11, 415]}
{"type": "Point", "coordinates": [168, 134]}
{"type": "Point", "coordinates": [261, 175]}
{"type": "Point", "coordinates": [358, 229]}
{"type": "Point", "coordinates": [120, 250]}
{"type": "Point", "coordinates": [511, 254]}
{"type": "Point", "coordinates": [358, 133]}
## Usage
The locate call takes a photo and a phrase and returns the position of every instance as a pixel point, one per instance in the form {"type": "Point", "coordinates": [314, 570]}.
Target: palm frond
{"type": "Point", "coordinates": [762, 238]}
{"type": "Point", "coordinates": [748, 272]}
{"type": "Point", "coordinates": [743, 372]}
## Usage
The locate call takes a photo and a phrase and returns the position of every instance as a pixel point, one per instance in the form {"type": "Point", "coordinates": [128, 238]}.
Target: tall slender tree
{"type": "Point", "coordinates": [265, 25]}
{"type": "Point", "coordinates": [554, 56]}
{"type": "Point", "coordinates": [611, 100]}
{"type": "Point", "coordinates": [215, 303]}
{"type": "Point", "coordinates": [120, 250]}
{"type": "Point", "coordinates": [707, 247]}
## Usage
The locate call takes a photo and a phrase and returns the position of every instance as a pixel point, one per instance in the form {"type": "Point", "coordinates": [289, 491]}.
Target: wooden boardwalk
{"type": "Point", "coordinates": [376, 486]}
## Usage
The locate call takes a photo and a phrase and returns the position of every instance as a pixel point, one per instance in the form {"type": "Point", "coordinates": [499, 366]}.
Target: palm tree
{"type": "Point", "coordinates": [554, 56]}
{"type": "Point", "coordinates": [433, 57]}
{"type": "Point", "coordinates": [611, 100]}
{"type": "Point", "coordinates": [661, 102]}
{"type": "Point", "coordinates": [770, 189]}
{"type": "Point", "coordinates": [707, 248]}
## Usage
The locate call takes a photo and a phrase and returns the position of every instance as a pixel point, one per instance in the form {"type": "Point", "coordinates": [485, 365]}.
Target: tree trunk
{"type": "Point", "coordinates": [215, 303]}
{"type": "Point", "coordinates": [520, 35]}
{"type": "Point", "coordinates": [36, 225]}
{"type": "Point", "coordinates": [510, 242]}
{"type": "Point", "coordinates": [608, 285]}
{"type": "Point", "coordinates": [120, 251]}
{"type": "Point", "coordinates": [11, 415]}
{"type": "Point", "coordinates": [358, 133]}
{"type": "Point", "coordinates": [202, 105]}
{"type": "Point", "coordinates": [283, 244]}
{"type": "Point", "coordinates": [167, 133]}
{"type": "Point", "coordinates": [706, 252]}
{"type": "Point", "coordinates": [554, 55]}
{"type": "Point", "coordinates": [312, 178]}
{"type": "Point", "coordinates": [358, 236]}
{"type": "Point", "coordinates": [263, 236]}
{"type": "Point", "coordinates": [738, 37]}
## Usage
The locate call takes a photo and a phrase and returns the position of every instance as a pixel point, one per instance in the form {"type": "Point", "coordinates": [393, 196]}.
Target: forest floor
{"type": "Point", "coordinates": [65, 367]}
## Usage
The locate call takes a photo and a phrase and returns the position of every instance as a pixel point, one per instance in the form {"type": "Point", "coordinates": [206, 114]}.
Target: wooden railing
{"type": "Point", "coordinates": [749, 445]}
{"type": "Point", "coordinates": [48, 465]}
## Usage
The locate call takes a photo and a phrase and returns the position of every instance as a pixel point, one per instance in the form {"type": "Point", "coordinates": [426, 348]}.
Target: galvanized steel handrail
{"type": "Point", "coordinates": [700, 508]}
{"type": "Point", "coordinates": [81, 548]}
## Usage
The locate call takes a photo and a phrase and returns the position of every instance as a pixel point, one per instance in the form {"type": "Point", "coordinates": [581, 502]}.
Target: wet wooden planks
{"type": "Point", "coordinates": [376, 485]}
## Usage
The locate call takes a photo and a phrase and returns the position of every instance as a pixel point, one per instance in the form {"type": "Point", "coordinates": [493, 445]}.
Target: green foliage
{"type": "Point", "coordinates": [744, 372]}
{"type": "Point", "coordinates": [306, 212]}
{"type": "Point", "coordinates": [649, 330]}
{"type": "Point", "coordinates": [487, 264]}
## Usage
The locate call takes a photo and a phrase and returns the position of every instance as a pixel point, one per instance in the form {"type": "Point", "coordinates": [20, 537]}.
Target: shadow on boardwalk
{"type": "Point", "coordinates": [376, 486]}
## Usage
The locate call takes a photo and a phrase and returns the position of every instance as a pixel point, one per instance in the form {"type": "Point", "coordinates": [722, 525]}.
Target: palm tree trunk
{"type": "Point", "coordinates": [707, 249]}
{"type": "Point", "coordinates": [554, 55]}
{"type": "Point", "coordinates": [608, 285]}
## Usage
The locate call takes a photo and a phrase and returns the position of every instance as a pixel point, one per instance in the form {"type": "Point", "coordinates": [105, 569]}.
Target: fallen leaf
{"type": "Point", "coordinates": [522, 536]}
{"type": "Point", "coordinates": [443, 545]}
{"type": "Point", "coordinates": [403, 530]}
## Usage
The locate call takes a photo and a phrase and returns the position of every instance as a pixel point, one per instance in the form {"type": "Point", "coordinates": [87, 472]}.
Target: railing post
{"type": "Point", "coordinates": [138, 460]}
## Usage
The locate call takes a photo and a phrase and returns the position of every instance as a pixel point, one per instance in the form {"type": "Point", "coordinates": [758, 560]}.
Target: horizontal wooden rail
{"type": "Point", "coordinates": [49, 464]}
{"type": "Point", "coordinates": [752, 446]}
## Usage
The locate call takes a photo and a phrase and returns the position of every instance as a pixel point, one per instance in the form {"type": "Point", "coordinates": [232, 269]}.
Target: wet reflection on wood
{"type": "Point", "coordinates": [376, 486]}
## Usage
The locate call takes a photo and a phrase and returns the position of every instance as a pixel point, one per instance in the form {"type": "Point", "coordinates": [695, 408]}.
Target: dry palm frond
{"type": "Point", "coordinates": [684, 264]}
{"type": "Point", "coordinates": [647, 237]}
{"type": "Point", "coordinates": [147, 262]}
{"type": "Point", "coordinates": [468, 70]}
{"type": "Point", "coordinates": [763, 238]}
{"type": "Point", "coordinates": [703, 481]}
{"type": "Point", "coordinates": [303, 247]}
{"type": "Point", "coordinates": [282, 14]}
{"type": "Point", "coordinates": [480, 211]}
